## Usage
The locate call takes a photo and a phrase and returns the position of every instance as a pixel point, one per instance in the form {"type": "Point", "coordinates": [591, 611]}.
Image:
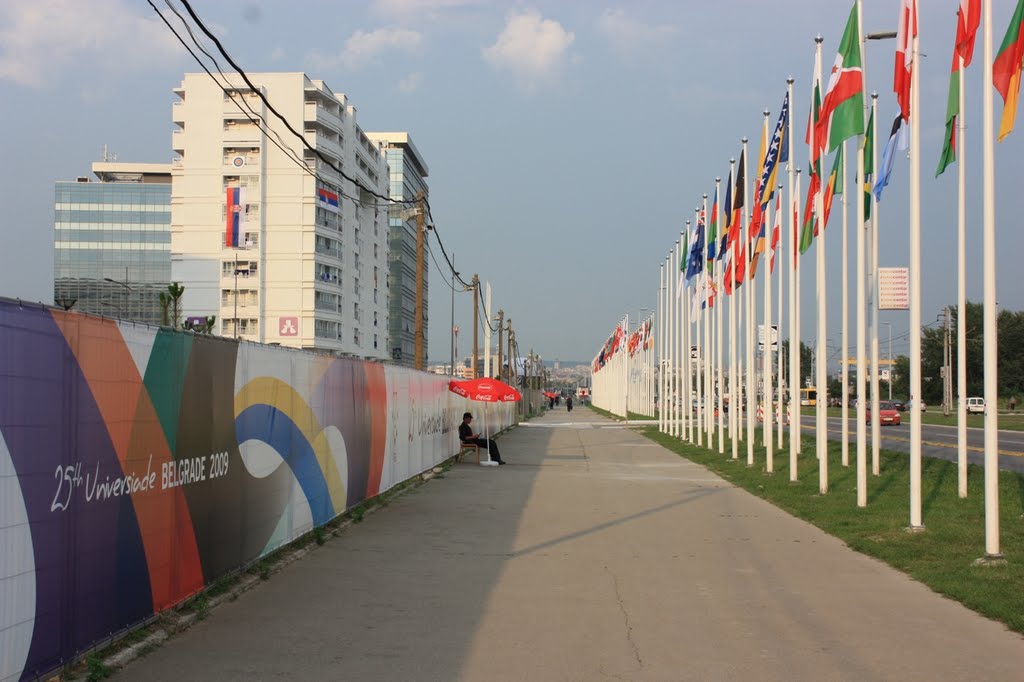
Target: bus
{"type": "Point", "coordinates": [808, 397]}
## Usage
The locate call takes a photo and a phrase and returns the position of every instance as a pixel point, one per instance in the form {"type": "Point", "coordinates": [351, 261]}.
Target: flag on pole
{"type": "Point", "coordinates": [734, 266]}
{"type": "Point", "coordinates": [906, 31]}
{"type": "Point", "coordinates": [834, 187]}
{"type": "Point", "coordinates": [899, 140]}
{"type": "Point", "coordinates": [776, 230]}
{"type": "Point", "coordinates": [767, 181]}
{"type": "Point", "coordinates": [1006, 70]}
{"type": "Point", "coordinates": [696, 262]}
{"type": "Point", "coordinates": [842, 111]}
{"type": "Point", "coordinates": [869, 164]}
{"type": "Point", "coordinates": [723, 245]}
{"type": "Point", "coordinates": [713, 233]}
{"type": "Point", "coordinates": [815, 145]}
{"type": "Point", "coordinates": [968, 18]}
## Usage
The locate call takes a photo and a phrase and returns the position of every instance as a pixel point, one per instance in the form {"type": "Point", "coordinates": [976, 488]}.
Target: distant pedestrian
{"type": "Point", "coordinates": [568, 403]}
{"type": "Point", "coordinates": [1013, 403]}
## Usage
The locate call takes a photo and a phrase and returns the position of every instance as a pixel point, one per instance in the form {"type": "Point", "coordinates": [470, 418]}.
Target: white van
{"type": "Point", "coordinates": [975, 406]}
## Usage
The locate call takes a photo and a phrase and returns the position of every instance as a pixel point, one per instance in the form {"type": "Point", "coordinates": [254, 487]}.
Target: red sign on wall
{"type": "Point", "coordinates": [287, 326]}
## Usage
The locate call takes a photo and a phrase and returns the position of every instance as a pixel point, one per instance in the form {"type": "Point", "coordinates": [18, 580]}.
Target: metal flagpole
{"type": "Point", "coordinates": [845, 326]}
{"type": "Point", "coordinates": [821, 359]}
{"type": "Point", "coordinates": [748, 364]}
{"type": "Point", "coordinates": [781, 258]}
{"type": "Point", "coordinates": [794, 309]}
{"type": "Point", "coordinates": [877, 427]}
{"type": "Point", "coordinates": [795, 368]}
{"type": "Point", "coordinates": [766, 355]}
{"type": "Point", "coordinates": [733, 373]}
{"type": "Point", "coordinates": [961, 297]}
{"type": "Point", "coordinates": [862, 368]}
{"type": "Point", "coordinates": [719, 303]}
{"type": "Point", "coordinates": [916, 522]}
{"type": "Point", "coordinates": [698, 319]}
{"type": "Point", "coordinates": [989, 268]}
{"type": "Point", "coordinates": [661, 349]}
{"type": "Point", "coordinates": [673, 340]}
{"type": "Point", "coordinates": [687, 344]}
{"type": "Point", "coordinates": [708, 314]}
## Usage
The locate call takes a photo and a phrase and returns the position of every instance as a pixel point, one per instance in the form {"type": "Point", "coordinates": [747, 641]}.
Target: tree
{"type": "Point", "coordinates": [806, 360]}
{"type": "Point", "coordinates": [170, 305]}
{"type": "Point", "coordinates": [1010, 325]}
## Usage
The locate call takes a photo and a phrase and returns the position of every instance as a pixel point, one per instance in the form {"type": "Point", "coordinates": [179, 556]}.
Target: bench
{"type": "Point", "coordinates": [467, 448]}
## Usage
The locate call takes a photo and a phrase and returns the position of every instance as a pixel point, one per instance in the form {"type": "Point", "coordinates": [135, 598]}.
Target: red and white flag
{"type": "Point", "coordinates": [776, 231]}
{"type": "Point", "coordinates": [905, 34]}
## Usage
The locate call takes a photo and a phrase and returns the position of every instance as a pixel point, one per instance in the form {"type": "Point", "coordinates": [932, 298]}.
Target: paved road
{"type": "Point", "coordinates": [594, 554]}
{"type": "Point", "coordinates": [937, 441]}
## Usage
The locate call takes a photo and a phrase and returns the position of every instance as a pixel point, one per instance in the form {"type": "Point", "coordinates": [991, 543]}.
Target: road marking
{"type": "Point", "coordinates": [936, 444]}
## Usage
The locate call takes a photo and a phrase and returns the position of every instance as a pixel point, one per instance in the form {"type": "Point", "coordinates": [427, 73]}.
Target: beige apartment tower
{"type": "Point", "coordinates": [265, 233]}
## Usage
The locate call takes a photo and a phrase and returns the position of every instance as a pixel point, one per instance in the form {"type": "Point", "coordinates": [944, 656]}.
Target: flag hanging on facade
{"type": "Point", "coordinates": [899, 140]}
{"type": "Point", "coordinates": [328, 200]}
{"type": "Point", "coordinates": [842, 111]}
{"type": "Point", "coordinates": [1007, 69]}
{"type": "Point", "coordinates": [235, 216]}
{"type": "Point", "coordinates": [906, 31]}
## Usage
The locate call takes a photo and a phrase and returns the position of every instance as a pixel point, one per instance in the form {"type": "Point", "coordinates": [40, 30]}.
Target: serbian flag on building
{"type": "Point", "coordinates": [328, 199]}
{"type": "Point", "coordinates": [235, 216]}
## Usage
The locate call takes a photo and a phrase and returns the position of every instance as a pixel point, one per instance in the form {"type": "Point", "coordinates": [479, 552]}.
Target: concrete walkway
{"type": "Point", "coordinates": [594, 554]}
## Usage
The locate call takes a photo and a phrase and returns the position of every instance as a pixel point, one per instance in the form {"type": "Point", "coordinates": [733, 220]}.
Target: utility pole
{"type": "Point", "coordinates": [454, 329]}
{"type": "Point", "coordinates": [501, 328]}
{"type": "Point", "coordinates": [476, 322]}
{"type": "Point", "coordinates": [418, 363]}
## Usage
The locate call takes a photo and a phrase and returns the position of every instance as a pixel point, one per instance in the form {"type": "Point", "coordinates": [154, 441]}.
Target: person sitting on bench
{"type": "Point", "coordinates": [467, 436]}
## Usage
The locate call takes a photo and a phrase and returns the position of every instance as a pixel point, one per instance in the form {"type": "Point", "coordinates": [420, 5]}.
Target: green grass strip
{"type": "Point", "coordinates": [941, 557]}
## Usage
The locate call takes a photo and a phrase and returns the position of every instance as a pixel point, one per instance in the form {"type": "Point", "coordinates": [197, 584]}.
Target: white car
{"type": "Point", "coordinates": [976, 406]}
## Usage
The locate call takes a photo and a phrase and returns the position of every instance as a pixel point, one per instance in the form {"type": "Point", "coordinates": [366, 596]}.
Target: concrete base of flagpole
{"type": "Point", "coordinates": [915, 529]}
{"type": "Point", "coordinates": [990, 561]}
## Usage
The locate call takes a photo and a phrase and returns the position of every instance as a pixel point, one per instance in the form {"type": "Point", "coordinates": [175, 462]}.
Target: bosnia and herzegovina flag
{"type": "Point", "coordinates": [235, 216]}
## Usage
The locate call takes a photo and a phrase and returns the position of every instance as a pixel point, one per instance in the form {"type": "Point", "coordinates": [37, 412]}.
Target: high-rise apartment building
{"type": "Point", "coordinates": [266, 234]}
{"type": "Point", "coordinates": [112, 240]}
{"type": "Point", "coordinates": [408, 178]}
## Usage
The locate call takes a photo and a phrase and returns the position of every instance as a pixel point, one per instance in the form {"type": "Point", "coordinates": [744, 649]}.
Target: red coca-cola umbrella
{"type": "Point", "coordinates": [486, 391]}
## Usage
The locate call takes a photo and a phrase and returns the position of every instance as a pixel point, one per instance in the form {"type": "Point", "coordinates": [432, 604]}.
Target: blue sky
{"type": "Point", "coordinates": [568, 142]}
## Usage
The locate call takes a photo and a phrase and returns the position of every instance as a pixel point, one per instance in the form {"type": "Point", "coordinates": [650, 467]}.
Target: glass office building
{"type": "Point", "coordinates": [112, 241]}
{"type": "Point", "coordinates": [408, 178]}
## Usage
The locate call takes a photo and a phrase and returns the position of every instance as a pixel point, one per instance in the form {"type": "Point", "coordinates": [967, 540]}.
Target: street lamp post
{"type": "Point", "coordinates": [126, 312]}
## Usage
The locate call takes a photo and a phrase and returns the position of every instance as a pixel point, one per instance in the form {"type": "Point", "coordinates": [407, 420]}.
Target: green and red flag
{"type": "Point", "coordinates": [967, 22]}
{"type": "Point", "coordinates": [842, 110]}
{"type": "Point", "coordinates": [1006, 70]}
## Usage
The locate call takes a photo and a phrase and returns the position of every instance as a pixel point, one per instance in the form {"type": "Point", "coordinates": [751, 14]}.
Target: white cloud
{"type": "Point", "coordinates": [366, 48]}
{"type": "Point", "coordinates": [410, 83]}
{"type": "Point", "coordinates": [41, 38]}
{"type": "Point", "coordinates": [531, 47]}
{"type": "Point", "coordinates": [628, 35]}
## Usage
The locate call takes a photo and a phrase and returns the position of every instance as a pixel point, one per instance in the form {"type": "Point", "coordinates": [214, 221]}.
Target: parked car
{"type": "Point", "coordinates": [887, 414]}
{"type": "Point", "coordinates": [899, 405]}
{"type": "Point", "coordinates": [976, 406]}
